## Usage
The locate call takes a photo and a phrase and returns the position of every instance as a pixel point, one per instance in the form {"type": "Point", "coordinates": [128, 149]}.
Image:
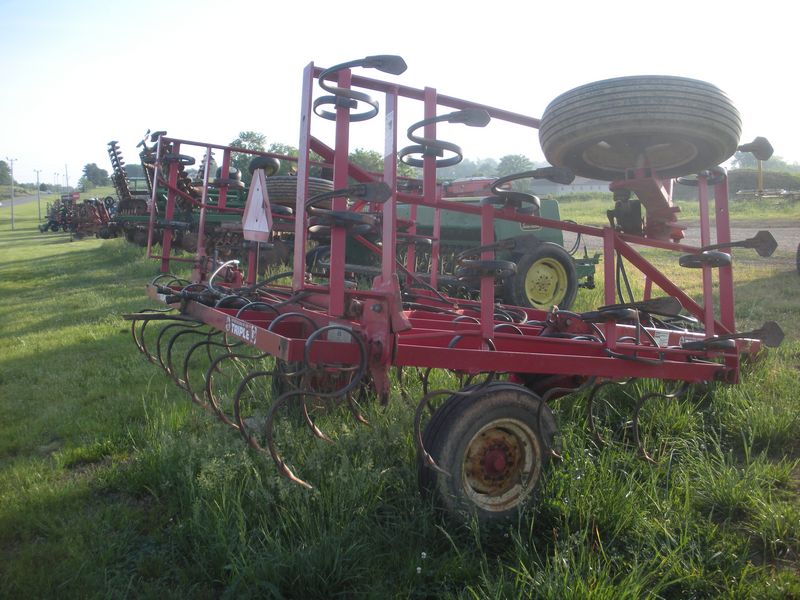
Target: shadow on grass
{"type": "Point", "coordinates": [772, 298]}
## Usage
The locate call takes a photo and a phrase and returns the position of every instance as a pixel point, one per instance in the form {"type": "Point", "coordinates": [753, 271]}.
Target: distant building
{"type": "Point", "coordinates": [581, 185]}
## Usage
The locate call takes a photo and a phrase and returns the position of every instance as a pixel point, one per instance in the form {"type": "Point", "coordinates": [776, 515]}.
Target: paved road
{"type": "Point", "coordinates": [787, 234]}
{"type": "Point", "coordinates": [6, 203]}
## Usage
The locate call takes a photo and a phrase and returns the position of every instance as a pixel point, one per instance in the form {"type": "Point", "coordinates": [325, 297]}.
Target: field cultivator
{"type": "Point", "coordinates": [80, 218]}
{"type": "Point", "coordinates": [362, 304]}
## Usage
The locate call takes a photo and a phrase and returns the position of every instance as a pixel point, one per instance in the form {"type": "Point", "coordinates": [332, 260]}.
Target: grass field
{"type": "Point", "coordinates": [114, 485]}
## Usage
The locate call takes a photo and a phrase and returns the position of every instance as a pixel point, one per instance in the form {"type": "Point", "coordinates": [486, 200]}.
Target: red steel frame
{"type": "Point", "coordinates": [394, 336]}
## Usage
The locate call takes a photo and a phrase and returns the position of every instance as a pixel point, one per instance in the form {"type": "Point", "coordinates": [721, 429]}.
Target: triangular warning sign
{"type": "Point", "coordinates": [257, 217]}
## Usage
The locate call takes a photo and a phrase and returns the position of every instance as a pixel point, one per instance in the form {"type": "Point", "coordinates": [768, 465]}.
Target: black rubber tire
{"type": "Point", "coordinates": [681, 126]}
{"type": "Point", "coordinates": [798, 258]}
{"type": "Point", "coordinates": [318, 257]}
{"type": "Point", "coordinates": [558, 284]}
{"type": "Point", "coordinates": [709, 258]}
{"type": "Point", "coordinates": [464, 424]}
{"type": "Point", "coordinates": [270, 165]}
{"type": "Point", "coordinates": [282, 189]}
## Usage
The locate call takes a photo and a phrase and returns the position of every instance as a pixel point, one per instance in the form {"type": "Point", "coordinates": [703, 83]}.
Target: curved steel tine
{"type": "Point", "coordinates": [187, 381]}
{"type": "Point", "coordinates": [285, 376]}
{"type": "Point", "coordinates": [318, 433]}
{"type": "Point", "coordinates": [136, 339]}
{"type": "Point", "coordinates": [546, 398]}
{"type": "Point", "coordinates": [138, 336]}
{"type": "Point", "coordinates": [139, 347]}
{"type": "Point", "coordinates": [225, 344]}
{"type": "Point", "coordinates": [143, 345]}
{"type": "Point", "coordinates": [209, 392]}
{"type": "Point", "coordinates": [243, 429]}
{"type": "Point", "coordinates": [671, 396]}
{"type": "Point", "coordinates": [424, 403]}
{"type": "Point", "coordinates": [354, 407]}
{"type": "Point", "coordinates": [209, 379]}
{"type": "Point", "coordinates": [203, 343]}
{"type": "Point", "coordinates": [183, 325]}
{"type": "Point", "coordinates": [404, 392]}
{"type": "Point", "coordinates": [283, 469]}
{"type": "Point", "coordinates": [170, 345]}
{"type": "Point", "coordinates": [590, 406]}
{"type": "Point", "coordinates": [639, 445]}
{"type": "Point", "coordinates": [424, 377]}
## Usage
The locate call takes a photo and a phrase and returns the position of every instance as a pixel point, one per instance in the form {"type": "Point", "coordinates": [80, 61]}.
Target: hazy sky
{"type": "Point", "coordinates": [77, 74]}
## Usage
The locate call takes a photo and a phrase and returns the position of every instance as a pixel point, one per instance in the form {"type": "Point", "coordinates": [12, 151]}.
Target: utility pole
{"type": "Point", "coordinates": [38, 198]}
{"type": "Point", "coordinates": [66, 177]}
{"type": "Point", "coordinates": [11, 161]}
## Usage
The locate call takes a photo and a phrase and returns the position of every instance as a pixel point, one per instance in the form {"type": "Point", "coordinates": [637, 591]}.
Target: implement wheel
{"type": "Point", "coordinates": [494, 443]}
{"type": "Point", "coordinates": [546, 276]}
{"type": "Point", "coordinates": [675, 125]}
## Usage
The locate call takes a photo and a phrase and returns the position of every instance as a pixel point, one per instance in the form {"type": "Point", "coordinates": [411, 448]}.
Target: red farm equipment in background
{"type": "Point", "coordinates": [342, 329]}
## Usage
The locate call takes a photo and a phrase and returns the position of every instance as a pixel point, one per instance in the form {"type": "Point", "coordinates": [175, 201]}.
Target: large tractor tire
{"type": "Point", "coordinates": [674, 125]}
{"type": "Point", "coordinates": [798, 258]}
{"type": "Point", "coordinates": [282, 189]}
{"type": "Point", "coordinates": [545, 277]}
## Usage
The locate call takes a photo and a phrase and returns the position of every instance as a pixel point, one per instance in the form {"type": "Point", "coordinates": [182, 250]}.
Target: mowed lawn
{"type": "Point", "coordinates": [114, 485]}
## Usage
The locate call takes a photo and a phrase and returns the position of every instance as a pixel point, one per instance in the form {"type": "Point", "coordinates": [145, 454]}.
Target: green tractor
{"type": "Point", "coordinates": [545, 273]}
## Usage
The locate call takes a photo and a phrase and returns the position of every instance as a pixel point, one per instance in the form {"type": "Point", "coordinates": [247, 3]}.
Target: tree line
{"type": "Point", "coordinates": [371, 160]}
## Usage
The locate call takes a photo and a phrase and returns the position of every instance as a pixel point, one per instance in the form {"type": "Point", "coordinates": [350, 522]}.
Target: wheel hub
{"type": "Point", "coordinates": [493, 464]}
{"type": "Point", "coordinates": [545, 282]}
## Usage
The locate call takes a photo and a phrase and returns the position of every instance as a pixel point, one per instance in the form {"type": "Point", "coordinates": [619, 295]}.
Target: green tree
{"type": "Point", "coordinates": [248, 140]}
{"type": "Point", "coordinates": [5, 173]}
{"type": "Point", "coordinates": [482, 167]}
{"type": "Point", "coordinates": [287, 167]}
{"type": "Point", "coordinates": [372, 161]}
{"type": "Point", "coordinates": [134, 171]}
{"type": "Point", "coordinates": [513, 163]}
{"type": "Point", "coordinates": [95, 175]}
{"type": "Point", "coordinates": [745, 160]}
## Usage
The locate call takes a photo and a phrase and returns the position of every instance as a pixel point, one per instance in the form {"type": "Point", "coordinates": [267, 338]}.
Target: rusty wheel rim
{"type": "Point", "coordinates": [502, 464]}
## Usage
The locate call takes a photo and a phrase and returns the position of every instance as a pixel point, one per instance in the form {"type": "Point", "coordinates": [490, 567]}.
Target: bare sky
{"type": "Point", "coordinates": [77, 74]}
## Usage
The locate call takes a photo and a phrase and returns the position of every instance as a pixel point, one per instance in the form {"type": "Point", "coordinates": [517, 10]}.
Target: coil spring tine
{"type": "Point", "coordinates": [639, 445]}
{"type": "Point", "coordinates": [224, 344]}
{"type": "Point", "coordinates": [160, 337]}
{"type": "Point", "coordinates": [143, 344]}
{"type": "Point", "coordinates": [194, 396]}
{"type": "Point", "coordinates": [182, 383]}
{"type": "Point", "coordinates": [590, 407]}
{"type": "Point", "coordinates": [358, 370]}
{"type": "Point", "coordinates": [424, 377]}
{"type": "Point", "coordinates": [138, 340]}
{"type": "Point", "coordinates": [283, 469]}
{"type": "Point", "coordinates": [404, 392]}
{"type": "Point", "coordinates": [354, 407]}
{"type": "Point", "coordinates": [318, 433]}
{"type": "Point", "coordinates": [424, 403]}
{"type": "Point", "coordinates": [212, 401]}
{"type": "Point", "coordinates": [546, 398]}
{"type": "Point", "coordinates": [243, 429]}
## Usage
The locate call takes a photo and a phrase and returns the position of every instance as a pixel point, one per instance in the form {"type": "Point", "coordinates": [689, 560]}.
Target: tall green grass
{"type": "Point", "coordinates": [590, 209]}
{"type": "Point", "coordinates": [113, 485]}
